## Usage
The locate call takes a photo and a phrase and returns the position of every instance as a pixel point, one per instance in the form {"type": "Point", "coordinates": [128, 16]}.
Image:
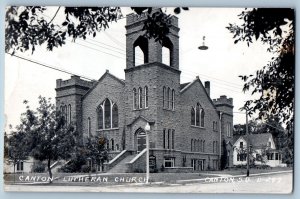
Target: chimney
{"type": "Point", "coordinates": [207, 87]}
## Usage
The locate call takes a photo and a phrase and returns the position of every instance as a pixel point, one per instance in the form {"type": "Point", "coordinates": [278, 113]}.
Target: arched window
{"type": "Point", "coordinates": [112, 144]}
{"type": "Point", "coordinates": [146, 97]}
{"type": "Point", "coordinates": [169, 98]}
{"type": "Point", "coordinates": [192, 116]}
{"type": "Point", "coordinates": [100, 117]}
{"type": "Point", "coordinates": [198, 115]}
{"type": "Point", "coordinates": [140, 98]}
{"type": "Point", "coordinates": [66, 113]}
{"type": "Point", "coordinates": [115, 116]}
{"type": "Point", "coordinates": [166, 59]}
{"type": "Point", "coordinates": [89, 127]}
{"type": "Point", "coordinates": [203, 146]}
{"type": "Point", "coordinates": [134, 99]}
{"type": "Point", "coordinates": [69, 114]}
{"type": "Point", "coordinates": [192, 142]}
{"type": "Point", "coordinates": [117, 147]}
{"type": "Point", "coordinates": [202, 113]}
{"type": "Point", "coordinates": [107, 114]}
{"type": "Point", "coordinates": [173, 99]}
{"type": "Point", "coordinates": [107, 144]}
{"type": "Point", "coordinates": [164, 97]}
{"type": "Point", "coordinates": [140, 55]}
{"type": "Point", "coordinates": [195, 145]}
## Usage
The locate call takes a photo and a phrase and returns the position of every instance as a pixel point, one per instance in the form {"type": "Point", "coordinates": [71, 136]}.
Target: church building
{"type": "Point", "coordinates": [189, 131]}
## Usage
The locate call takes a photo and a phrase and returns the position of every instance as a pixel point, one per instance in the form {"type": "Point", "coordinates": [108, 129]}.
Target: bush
{"type": "Point", "coordinates": [38, 167]}
{"type": "Point", "coordinates": [85, 169]}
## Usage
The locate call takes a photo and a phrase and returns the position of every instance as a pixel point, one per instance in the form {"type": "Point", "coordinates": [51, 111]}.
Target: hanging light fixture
{"type": "Point", "coordinates": [203, 47]}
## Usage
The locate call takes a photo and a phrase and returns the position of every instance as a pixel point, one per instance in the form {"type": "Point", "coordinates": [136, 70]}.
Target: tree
{"type": "Point", "coordinates": [275, 82]}
{"type": "Point", "coordinates": [48, 136]}
{"type": "Point", "coordinates": [26, 27]}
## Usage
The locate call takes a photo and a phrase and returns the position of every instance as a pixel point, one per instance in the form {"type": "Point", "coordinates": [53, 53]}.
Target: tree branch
{"type": "Point", "coordinates": [54, 15]}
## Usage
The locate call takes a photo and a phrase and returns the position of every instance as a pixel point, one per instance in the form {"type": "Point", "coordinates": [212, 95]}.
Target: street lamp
{"type": "Point", "coordinates": [147, 129]}
{"type": "Point", "coordinates": [203, 47]}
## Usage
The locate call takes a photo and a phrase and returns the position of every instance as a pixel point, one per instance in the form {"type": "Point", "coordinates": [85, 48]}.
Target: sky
{"type": "Point", "coordinates": [221, 64]}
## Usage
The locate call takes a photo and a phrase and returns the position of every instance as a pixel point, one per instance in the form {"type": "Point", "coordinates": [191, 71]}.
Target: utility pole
{"type": "Point", "coordinates": [248, 143]}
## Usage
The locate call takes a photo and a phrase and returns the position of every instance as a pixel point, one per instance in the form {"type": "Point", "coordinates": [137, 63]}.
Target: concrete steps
{"type": "Point", "coordinates": [121, 167]}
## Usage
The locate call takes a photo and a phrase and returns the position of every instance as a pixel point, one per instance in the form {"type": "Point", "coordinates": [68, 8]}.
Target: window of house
{"type": "Point", "coordinates": [100, 117]}
{"type": "Point", "coordinates": [241, 145]}
{"type": "Point", "coordinates": [20, 166]}
{"type": "Point", "coordinates": [146, 97]}
{"type": "Point", "coordinates": [169, 162]}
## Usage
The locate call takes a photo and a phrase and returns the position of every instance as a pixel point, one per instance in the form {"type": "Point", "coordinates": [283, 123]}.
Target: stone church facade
{"type": "Point", "coordinates": [189, 131]}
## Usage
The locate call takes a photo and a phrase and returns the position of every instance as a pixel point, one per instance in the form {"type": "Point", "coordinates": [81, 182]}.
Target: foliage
{"type": "Point", "coordinates": [38, 167]}
{"type": "Point", "coordinates": [26, 27]}
{"type": "Point", "coordinates": [95, 149]}
{"type": "Point", "coordinates": [275, 81]}
{"type": "Point", "coordinates": [48, 137]}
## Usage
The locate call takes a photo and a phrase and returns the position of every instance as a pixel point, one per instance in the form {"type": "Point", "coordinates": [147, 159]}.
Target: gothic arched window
{"type": "Point", "coordinates": [192, 116]}
{"type": "Point", "coordinates": [115, 116]}
{"type": "Point", "coordinates": [112, 144]}
{"type": "Point", "coordinates": [100, 117]}
{"type": "Point", "coordinates": [173, 99]}
{"type": "Point", "coordinates": [202, 113]}
{"type": "Point", "coordinates": [140, 98]}
{"type": "Point", "coordinates": [107, 114]}
{"type": "Point", "coordinates": [198, 115]}
{"type": "Point", "coordinates": [146, 97]}
{"type": "Point", "coordinates": [169, 98]}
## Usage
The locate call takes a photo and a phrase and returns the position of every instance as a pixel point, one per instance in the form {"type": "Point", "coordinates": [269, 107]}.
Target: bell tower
{"type": "Point", "coordinates": [141, 50]}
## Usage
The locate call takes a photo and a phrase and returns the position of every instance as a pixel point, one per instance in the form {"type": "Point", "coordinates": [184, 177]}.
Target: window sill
{"type": "Point", "coordinates": [112, 129]}
{"type": "Point", "coordinates": [198, 127]}
{"type": "Point", "coordinates": [166, 109]}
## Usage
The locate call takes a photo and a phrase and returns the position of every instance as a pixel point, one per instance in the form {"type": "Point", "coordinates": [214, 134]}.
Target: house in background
{"type": "Point", "coordinates": [262, 150]}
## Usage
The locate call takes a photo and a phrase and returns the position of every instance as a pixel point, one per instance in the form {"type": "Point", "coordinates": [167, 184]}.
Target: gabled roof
{"type": "Point", "coordinates": [107, 73]}
{"type": "Point", "coordinates": [142, 118]}
{"type": "Point", "coordinates": [186, 86]}
{"type": "Point", "coordinates": [256, 140]}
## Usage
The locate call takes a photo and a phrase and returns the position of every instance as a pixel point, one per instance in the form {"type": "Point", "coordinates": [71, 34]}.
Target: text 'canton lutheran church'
{"type": "Point", "coordinates": [189, 131]}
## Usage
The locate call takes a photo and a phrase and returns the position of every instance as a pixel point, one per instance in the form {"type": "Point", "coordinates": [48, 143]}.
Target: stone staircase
{"type": "Point", "coordinates": [121, 167]}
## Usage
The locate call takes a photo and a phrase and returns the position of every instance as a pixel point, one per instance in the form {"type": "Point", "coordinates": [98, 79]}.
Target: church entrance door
{"type": "Point", "coordinates": [141, 141]}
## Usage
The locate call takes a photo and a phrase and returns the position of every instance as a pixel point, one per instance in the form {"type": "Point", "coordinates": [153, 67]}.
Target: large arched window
{"type": "Point", "coordinates": [192, 116]}
{"type": "Point", "coordinates": [202, 113]}
{"type": "Point", "coordinates": [167, 51]}
{"type": "Point", "coordinates": [146, 96]}
{"type": "Point", "coordinates": [140, 55]}
{"type": "Point", "coordinates": [140, 98]}
{"type": "Point", "coordinates": [173, 99]}
{"type": "Point", "coordinates": [108, 116]}
{"type": "Point", "coordinates": [115, 116]}
{"type": "Point", "coordinates": [198, 115]}
{"type": "Point", "coordinates": [134, 99]}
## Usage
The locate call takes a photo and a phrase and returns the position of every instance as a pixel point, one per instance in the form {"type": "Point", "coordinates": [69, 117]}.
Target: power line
{"type": "Point", "coordinates": [51, 67]}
